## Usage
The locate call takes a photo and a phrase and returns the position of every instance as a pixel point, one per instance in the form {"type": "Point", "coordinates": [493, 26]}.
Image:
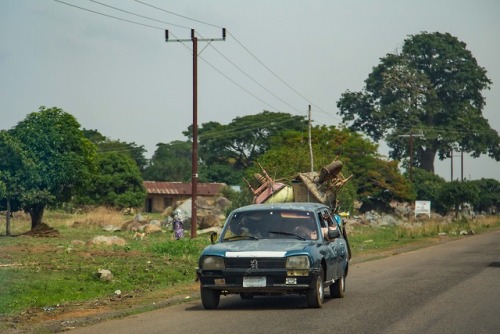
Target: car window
{"type": "Point", "coordinates": [276, 224]}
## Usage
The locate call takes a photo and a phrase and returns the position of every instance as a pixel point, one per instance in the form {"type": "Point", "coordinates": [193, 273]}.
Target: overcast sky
{"type": "Point", "coordinates": [122, 79]}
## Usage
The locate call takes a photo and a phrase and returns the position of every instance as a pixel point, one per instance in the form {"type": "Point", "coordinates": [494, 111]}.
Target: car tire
{"type": "Point", "coordinates": [209, 298]}
{"type": "Point", "coordinates": [246, 296]}
{"type": "Point", "coordinates": [316, 294]}
{"type": "Point", "coordinates": [337, 289]}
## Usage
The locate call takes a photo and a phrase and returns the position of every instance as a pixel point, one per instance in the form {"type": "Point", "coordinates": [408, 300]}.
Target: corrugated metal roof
{"type": "Point", "coordinates": [182, 188]}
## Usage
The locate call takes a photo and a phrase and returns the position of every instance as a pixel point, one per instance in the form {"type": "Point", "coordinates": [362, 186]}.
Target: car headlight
{"type": "Point", "coordinates": [212, 263]}
{"type": "Point", "coordinates": [297, 262]}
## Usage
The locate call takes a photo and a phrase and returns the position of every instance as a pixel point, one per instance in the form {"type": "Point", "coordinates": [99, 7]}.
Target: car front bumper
{"type": "Point", "coordinates": [256, 281]}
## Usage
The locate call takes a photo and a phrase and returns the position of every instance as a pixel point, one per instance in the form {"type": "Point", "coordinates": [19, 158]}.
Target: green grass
{"type": "Point", "coordinates": [39, 272]}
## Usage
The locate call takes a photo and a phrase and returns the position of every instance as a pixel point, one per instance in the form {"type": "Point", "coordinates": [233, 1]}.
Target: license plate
{"type": "Point", "coordinates": [254, 282]}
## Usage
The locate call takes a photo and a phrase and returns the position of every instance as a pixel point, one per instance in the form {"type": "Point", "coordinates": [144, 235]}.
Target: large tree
{"type": "Point", "coordinates": [63, 160]}
{"type": "Point", "coordinates": [430, 94]}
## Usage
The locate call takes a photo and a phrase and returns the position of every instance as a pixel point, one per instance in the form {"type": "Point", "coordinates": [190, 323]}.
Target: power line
{"type": "Point", "coordinates": [107, 15]}
{"type": "Point", "coordinates": [251, 78]}
{"type": "Point", "coordinates": [212, 66]}
{"type": "Point", "coordinates": [138, 15]}
{"type": "Point", "coordinates": [248, 51]}
{"type": "Point", "coordinates": [178, 15]}
{"type": "Point", "coordinates": [207, 62]}
{"type": "Point", "coordinates": [279, 78]}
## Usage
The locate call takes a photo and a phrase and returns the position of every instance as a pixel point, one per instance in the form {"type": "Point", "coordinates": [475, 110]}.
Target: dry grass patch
{"type": "Point", "coordinates": [99, 217]}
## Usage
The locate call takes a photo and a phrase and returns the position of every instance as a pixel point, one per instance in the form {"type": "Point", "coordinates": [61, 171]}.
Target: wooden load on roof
{"type": "Point", "coordinates": [321, 187]}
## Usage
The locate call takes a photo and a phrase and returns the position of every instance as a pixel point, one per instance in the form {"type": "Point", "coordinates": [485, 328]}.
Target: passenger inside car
{"type": "Point", "coordinates": [307, 230]}
{"type": "Point", "coordinates": [327, 223]}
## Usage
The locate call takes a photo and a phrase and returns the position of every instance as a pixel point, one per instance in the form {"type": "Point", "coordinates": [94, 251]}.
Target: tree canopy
{"type": "Point", "coordinates": [454, 194]}
{"type": "Point", "coordinates": [117, 183]}
{"type": "Point", "coordinates": [225, 151]}
{"type": "Point", "coordinates": [489, 199]}
{"type": "Point", "coordinates": [62, 160]}
{"type": "Point", "coordinates": [105, 144]}
{"type": "Point", "coordinates": [434, 88]}
{"type": "Point", "coordinates": [170, 162]}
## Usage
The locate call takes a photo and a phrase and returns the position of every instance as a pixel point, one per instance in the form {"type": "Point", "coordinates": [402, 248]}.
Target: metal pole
{"type": "Point", "coordinates": [194, 177]}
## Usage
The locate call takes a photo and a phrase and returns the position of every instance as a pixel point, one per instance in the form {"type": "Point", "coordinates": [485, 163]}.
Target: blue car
{"type": "Point", "coordinates": [276, 249]}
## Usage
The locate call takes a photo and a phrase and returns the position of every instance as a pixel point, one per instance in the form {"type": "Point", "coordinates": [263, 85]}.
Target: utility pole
{"type": "Point", "coordinates": [411, 135]}
{"type": "Point", "coordinates": [194, 163]}
{"type": "Point", "coordinates": [451, 157]}
{"type": "Point", "coordinates": [461, 164]}
{"type": "Point", "coordinates": [310, 143]}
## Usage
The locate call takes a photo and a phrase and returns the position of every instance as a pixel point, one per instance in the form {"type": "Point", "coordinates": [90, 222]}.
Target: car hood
{"type": "Point", "coordinates": [258, 248]}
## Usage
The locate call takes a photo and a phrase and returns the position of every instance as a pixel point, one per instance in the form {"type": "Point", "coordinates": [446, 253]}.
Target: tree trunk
{"type": "Point", "coordinates": [36, 213]}
{"type": "Point", "coordinates": [427, 159]}
{"type": "Point", "coordinates": [7, 221]}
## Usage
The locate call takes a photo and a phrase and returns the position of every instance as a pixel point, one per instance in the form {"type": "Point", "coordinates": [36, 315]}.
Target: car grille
{"type": "Point", "coordinates": [255, 263]}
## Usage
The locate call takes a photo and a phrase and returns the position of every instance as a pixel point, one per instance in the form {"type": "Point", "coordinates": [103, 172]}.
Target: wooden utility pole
{"type": "Point", "coordinates": [194, 163]}
{"type": "Point", "coordinates": [310, 142]}
{"type": "Point", "coordinates": [451, 157]}
{"type": "Point", "coordinates": [411, 135]}
{"type": "Point", "coordinates": [461, 164]}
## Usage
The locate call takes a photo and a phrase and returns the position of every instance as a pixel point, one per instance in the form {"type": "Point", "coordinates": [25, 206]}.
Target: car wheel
{"type": "Point", "coordinates": [337, 289]}
{"type": "Point", "coordinates": [316, 294]}
{"type": "Point", "coordinates": [246, 295]}
{"type": "Point", "coordinates": [209, 298]}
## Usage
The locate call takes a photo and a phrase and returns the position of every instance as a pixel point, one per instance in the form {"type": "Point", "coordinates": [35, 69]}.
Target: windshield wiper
{"type": "Point", "coordinates": [287, 233]}
{"type": "Point", "coordinates": [251, 237]}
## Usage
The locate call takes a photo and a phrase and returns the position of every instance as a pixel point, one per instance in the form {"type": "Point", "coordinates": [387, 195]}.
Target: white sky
{"type": "Point", "coordinates": [124, 80]}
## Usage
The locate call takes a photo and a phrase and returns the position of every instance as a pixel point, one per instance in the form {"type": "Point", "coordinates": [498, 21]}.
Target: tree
{"type": "Point", "coordinates": [225, 151]}
{"type": "Point", "coordinates": [13, 167]}
{"type": "Point", "coordinates": [63, 160]}
{"type": "Point", "coordinates": [170, 162]}
{"type": "Point", "coordinates": [489, 199]}
{"type": "Point", "coordinates": [427, 187]}
{"type": "Point", "coordinates": [433, 87]}
{"type": "Point", "coordinates": [455, 194]}
{"type": "Point", "coordinates": [105, 144]}
{"type": "Point", "coordinates": [117, 183]}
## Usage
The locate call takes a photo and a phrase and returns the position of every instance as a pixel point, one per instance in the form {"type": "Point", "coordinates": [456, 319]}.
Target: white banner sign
{"type": "Point", "coordinates": [423, 207]}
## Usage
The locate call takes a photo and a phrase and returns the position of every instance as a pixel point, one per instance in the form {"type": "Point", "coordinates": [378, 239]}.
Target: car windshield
{"type": "Point", "coordinates": [267, 224]}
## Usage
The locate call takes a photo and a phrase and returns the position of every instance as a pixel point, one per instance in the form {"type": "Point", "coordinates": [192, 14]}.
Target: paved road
{"type": "Point", "coordinates": [448, 288]}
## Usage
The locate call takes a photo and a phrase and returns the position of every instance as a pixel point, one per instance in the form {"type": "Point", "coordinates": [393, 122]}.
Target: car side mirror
{"type": "Point", "coordinates": [333, 234]}
{"type": "Point", "coordinates": [213, 237]}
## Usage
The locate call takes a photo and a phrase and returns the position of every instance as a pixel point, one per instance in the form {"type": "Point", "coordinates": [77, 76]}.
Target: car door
{"type": "Point", "coordinates": [339, 245]}
{"type": "Point", "coordinates": [330, 252]}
